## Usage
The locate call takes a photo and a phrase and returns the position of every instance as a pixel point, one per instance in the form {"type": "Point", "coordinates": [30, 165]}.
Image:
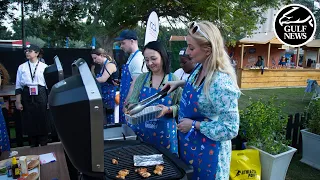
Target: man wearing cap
{"type": "Point", "coordinates": [186, 65]}
{"type": "Point", "coordinates": [32, 98]}
{"type": "Point", "coordinates": [131, 69]}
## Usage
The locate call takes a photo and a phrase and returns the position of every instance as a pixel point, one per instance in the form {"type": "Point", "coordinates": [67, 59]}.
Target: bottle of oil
{"type": "Point", "coordinates": [15, 169]}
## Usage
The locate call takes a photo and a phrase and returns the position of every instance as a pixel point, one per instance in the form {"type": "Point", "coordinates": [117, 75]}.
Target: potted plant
{"type": "Point", "coordinates": [263, 125]}
{"type": "Point", "coordinates": [311, 136]}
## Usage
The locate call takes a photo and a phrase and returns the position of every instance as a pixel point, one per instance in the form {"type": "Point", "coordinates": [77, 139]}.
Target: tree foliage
{"type": "Point", "coordinates": [316, 12]}
{"type": "Point", "coordinates": [105, 19]}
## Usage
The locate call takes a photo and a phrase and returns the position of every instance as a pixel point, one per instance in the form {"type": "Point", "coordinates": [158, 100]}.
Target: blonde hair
{"type": "Point", "coordinates": [218, 59]}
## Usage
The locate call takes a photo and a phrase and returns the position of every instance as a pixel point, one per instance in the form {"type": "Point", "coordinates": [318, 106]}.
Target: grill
{"type": "Point", "coordinates": [124, 155]}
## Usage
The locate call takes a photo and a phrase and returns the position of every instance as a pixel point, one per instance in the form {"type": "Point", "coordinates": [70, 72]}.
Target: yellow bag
{"type": "Point", "coordinates": [245, 165]}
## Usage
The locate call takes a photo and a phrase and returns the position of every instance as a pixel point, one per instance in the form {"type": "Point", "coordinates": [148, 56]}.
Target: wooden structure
{"type": "Point", "coordinates": [252, 78]}
{"type": "Point", "coordinates": [262, 44]}
{"type": "Point", "coordinates": [313, 45]}
{"type": "Point", "coordinates": [267, 45]}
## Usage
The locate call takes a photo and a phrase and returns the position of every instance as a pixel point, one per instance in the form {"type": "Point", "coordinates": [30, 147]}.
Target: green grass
{"type": "Point", "coordinates": [294, 104]}
{"type": "Point", "coordinates": [300, 171]}
{"type": "Point", "coordinates": [291, 96]}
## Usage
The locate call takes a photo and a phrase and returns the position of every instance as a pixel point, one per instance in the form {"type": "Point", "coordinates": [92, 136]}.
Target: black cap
{"type": "Point", "coordinates": [33, 47]}
{"type": "Point", "coordinates": [127, 34]}
{"type": "Point", "coordinates": [183, 52]}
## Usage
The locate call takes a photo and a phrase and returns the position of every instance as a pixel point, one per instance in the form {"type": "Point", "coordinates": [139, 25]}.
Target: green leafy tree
{"type": "Point", "coordinates": [105, 19]}
{"type": "Point", "coordinates": [316, 12]}
{"type": "Point", "coordinates": [35, 40]}
{"type": "Point", "coordinates": [4, 33]}
{"type": "Point", "coordinates": [6, 10]}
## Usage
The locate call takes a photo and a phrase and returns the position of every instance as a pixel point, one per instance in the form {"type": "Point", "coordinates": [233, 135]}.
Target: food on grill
{"type": "Point", "coordinates": [32, 176]}
{"type": "Point", "coordinates": [114, 161]}
{"type": "Point", "coordinates": [143, 172]}
{"type": "Point", "coordinates": [122, 174]}
{"type": "Point", "coordinates": [33, 164]}
{"type": "Point", "coordinates": [158, 170]}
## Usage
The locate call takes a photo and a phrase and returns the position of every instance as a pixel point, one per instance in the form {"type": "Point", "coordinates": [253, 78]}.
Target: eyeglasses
{"type": "Point", "coordinates": [196, 28]}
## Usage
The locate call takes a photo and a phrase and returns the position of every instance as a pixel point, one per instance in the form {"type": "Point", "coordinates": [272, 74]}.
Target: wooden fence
{"type": "Point", "coordinates": [295, 124]}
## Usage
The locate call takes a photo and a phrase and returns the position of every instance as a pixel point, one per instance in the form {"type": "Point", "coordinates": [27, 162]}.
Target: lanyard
{"type": "Point", "coordinates": [160, 82]}
{"type": "Point", "coordinates": [35, 69]}
{"type": "Point", "coordinates": [182, 75]}
{"type": "Point", "coordinates": [133, 56]}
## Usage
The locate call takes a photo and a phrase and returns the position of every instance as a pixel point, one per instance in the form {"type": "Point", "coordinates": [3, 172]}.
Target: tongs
{"type": "Point", "coordinates": [138, 107]}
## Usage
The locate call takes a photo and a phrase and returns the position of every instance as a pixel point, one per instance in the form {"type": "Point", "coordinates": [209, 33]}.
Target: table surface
{"type": "Point", "coordinates": [7, 90]}
{"type": "Point", "coordinates": [49, 171]}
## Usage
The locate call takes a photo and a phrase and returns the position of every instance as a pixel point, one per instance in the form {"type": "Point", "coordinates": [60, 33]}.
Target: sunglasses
{"type": "Point", "coordinates": [196, 28]}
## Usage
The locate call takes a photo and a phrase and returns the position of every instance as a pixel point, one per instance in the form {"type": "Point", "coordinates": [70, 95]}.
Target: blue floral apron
{"type": "Point", "coordinates": [108, 96]}
{"type": "Point", "coordinates": [197, 150]}
{"type": "Point", "coordinates": [161, 132]}
{"type": "Point", "coordinates": [4, 137]}
{"type": "Point", "coordinates": [125, 84]}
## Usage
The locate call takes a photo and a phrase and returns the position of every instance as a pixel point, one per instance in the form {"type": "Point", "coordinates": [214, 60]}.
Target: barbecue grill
{"type": "Point", "coordinates": [53, 73]}
{"type": "Point", "coordinates": [77, 110]}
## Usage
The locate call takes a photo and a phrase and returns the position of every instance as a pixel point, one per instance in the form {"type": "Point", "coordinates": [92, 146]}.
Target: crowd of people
{"type": "Point", "coordinates": [199, 116]}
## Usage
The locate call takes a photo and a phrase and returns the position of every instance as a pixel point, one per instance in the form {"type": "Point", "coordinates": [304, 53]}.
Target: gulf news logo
{"type": "Point", "coordinates": [295, 25]}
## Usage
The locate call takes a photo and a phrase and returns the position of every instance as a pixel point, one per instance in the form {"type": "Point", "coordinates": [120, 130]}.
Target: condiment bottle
{"type": "Point", "coordinates": [23, 166]}
{"type": "Point", "coordinates": [15, 169]}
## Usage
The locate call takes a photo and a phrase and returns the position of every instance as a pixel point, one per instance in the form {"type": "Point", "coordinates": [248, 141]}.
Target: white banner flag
{"type": "Point", "coordinates": [152, 30]}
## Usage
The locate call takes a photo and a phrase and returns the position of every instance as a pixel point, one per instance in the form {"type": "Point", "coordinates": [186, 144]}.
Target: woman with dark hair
{"type": "Point", "coordinates": [160, 131]}
{"type": "Point", "coordinates": [107, 78]}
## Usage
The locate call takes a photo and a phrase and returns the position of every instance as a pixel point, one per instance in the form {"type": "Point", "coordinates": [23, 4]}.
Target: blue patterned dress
{"type": "Point", "coordinates": [4, 137]}
{"type": "Point", "coordinates": [222, 109]}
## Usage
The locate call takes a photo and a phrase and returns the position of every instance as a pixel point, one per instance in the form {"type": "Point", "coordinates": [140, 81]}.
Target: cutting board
{"type": "Point", "coordinates": [29, 158]}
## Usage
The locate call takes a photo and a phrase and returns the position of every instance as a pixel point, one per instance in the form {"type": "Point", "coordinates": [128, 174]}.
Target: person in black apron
{"type": "Point", "coordinates": [160, 131]}
{"type": "Point", "coordinates": [208, 114]}
{"type": "Point", "coordinates": [108, 78]}
{"type": "Point", "coordinates": [131, 69]}
{"type": "Point", "coordinates": [32, 98]}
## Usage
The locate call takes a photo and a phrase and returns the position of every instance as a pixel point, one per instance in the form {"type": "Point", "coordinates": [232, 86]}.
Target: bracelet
{"type": "Point", "coordinates": [191, 130]}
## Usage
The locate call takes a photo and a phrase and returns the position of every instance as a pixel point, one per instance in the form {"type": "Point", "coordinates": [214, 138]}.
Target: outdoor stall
{"type": "Point", "coordinates": [270, 74]}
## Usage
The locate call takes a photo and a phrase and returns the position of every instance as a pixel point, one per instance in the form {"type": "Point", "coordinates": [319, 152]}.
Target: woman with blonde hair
{"type": "Point", "coordinates": [208, 115]}
{"type": "Point", "coordinates": [107, 78]}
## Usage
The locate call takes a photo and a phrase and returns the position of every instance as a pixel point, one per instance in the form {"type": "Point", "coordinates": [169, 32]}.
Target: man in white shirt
{"type": "Point", "coordinates": [186, 65]}
{"type": "Point", "coordinates": [132, 69]}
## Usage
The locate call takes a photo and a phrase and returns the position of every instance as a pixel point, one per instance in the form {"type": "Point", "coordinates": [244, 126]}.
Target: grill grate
{"type": "Point", "coordinates": [124, 155]}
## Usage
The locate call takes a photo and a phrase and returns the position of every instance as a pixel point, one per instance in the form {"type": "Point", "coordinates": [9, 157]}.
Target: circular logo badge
{"type": "Point", "coordinates": [295, 25]}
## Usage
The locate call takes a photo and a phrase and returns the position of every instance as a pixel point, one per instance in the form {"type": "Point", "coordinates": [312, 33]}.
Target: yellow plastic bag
{"type": "Point", "coordinates": [245, 165]}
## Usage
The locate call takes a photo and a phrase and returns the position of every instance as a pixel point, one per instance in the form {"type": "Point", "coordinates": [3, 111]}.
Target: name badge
{"type": "Point", "coordinates": [33, 90]}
